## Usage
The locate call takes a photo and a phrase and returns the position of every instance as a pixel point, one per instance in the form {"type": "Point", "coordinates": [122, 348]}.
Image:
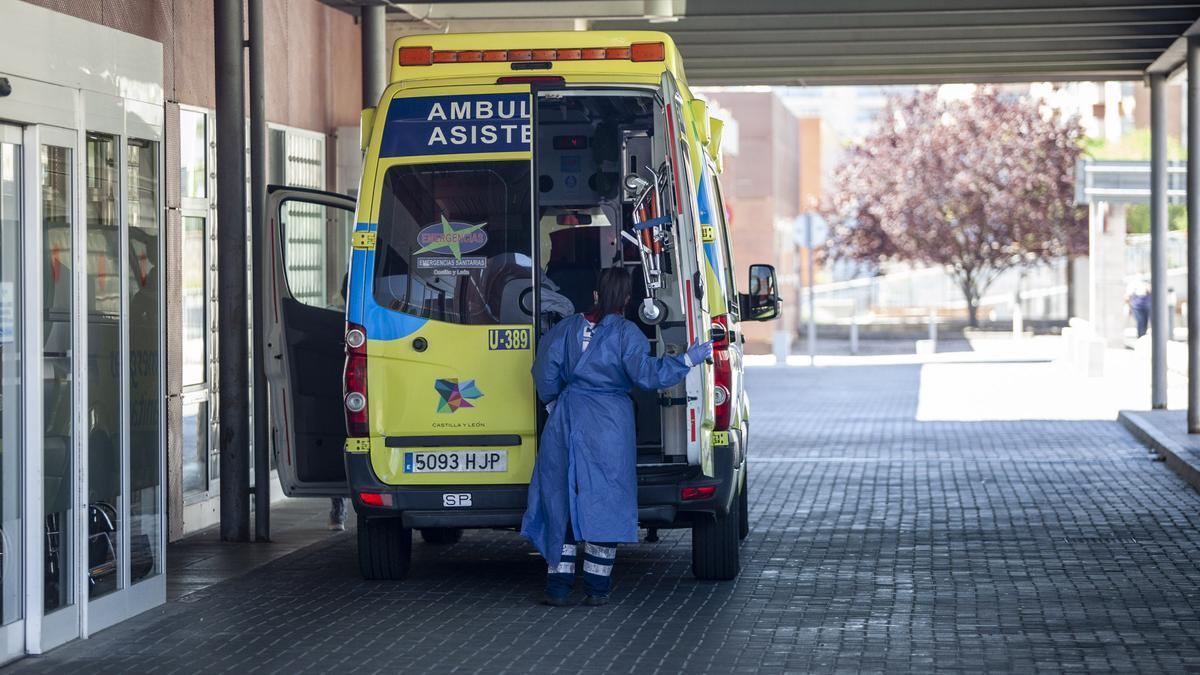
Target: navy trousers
{"type": "Point", "coordinates": [598, 559]}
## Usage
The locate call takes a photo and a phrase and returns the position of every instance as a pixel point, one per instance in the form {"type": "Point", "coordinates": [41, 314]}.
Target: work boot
{"type": "Point", "coordinates": [337, 514]}
{"type": "Point", "coordinates": [595, 600]}
{"type": "Point", "coordinates": [556, 601]}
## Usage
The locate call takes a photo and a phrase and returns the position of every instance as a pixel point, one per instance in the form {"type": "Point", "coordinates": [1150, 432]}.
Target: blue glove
{"type": "Point", "coordinates": [698, 353]}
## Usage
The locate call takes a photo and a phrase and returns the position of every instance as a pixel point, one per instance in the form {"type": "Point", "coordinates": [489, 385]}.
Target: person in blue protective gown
{"type": "Point", "coordinates": [584, 486]}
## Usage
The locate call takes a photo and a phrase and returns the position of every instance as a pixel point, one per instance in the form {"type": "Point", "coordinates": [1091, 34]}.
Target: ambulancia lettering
{"type": "Point", "coordinates": [481, 110]}
{"type": "Point", "coordinates": [437, 125]}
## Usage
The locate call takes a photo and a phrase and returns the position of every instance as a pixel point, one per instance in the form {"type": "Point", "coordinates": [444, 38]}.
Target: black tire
{"type": "Point", "coordinates": [384, 549]}
{"type": "Point", "coordinates": [441, 535]}
{"type": "Point", "coordinates": [743, 507]}
{"type": "Point", "coordinates": [715, 546]}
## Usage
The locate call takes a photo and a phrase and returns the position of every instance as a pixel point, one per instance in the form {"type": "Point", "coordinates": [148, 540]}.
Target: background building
{"type": "Point", "coordinates": [775, 177]}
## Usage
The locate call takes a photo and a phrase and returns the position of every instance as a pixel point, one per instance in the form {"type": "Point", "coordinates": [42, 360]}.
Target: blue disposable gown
{"type": "Point", "coordinates": [586, 468]}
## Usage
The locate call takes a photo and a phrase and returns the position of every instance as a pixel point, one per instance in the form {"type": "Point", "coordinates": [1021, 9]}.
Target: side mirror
{"type": "Point", "coordinates": [366, 123]}
{"type": "Point", "coordinates": [761, 303]}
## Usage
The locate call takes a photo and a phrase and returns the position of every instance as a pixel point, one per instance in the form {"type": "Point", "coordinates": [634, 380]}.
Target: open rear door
{"type": "Point", "coordinates": [308, 234]}
{"type": "Point", "coordinates": [682, 152]}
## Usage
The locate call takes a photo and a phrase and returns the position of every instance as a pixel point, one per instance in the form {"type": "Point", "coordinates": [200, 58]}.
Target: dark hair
{"type": "Point", "coordinates": [615, 288]}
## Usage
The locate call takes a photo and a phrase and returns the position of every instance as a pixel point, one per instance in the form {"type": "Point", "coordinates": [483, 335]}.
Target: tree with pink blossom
{"type": "Point", "coordinates": [978, 186]}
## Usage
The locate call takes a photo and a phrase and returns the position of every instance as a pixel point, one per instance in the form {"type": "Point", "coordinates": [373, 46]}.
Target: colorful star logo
{"type": "Point", "coordinates": [455, 395]}
{"type": "Point", "coordinates": [450, 239]}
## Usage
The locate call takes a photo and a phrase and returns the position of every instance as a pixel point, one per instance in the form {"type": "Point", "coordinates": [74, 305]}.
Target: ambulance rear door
{"type": "Point", "coordinates": [304, 263]}
{"type": "Point", "coordinates": [691, 276]}
{"type": "Point", "coordinates": [448, 296]}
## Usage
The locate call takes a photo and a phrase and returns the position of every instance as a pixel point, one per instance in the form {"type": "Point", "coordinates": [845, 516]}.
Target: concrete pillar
{"type": "Point", "coordinates": [232, 340]}
{"type": "Point", "coordinates": [1158, 240]}
{"type": "Point", "coordinates": [258, 237]}
{"type": "Point", "coordinates": [1193, 235]}
{"type": "Point", "coordinates": [1106, 272]}
{"type": "Point", "coordinates": [375, 54]}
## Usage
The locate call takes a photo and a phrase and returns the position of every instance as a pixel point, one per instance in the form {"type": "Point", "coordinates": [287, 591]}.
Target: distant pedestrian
{"type": "Point", "coordinates": [1137, 295]}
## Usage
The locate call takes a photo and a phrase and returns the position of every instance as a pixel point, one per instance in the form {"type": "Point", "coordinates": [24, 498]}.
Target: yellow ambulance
{"type": "Point", "coordinates": [502, 173]}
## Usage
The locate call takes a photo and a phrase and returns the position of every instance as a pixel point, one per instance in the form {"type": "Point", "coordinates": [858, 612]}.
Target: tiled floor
{"type": "Point", "coordinates": [882, 539]}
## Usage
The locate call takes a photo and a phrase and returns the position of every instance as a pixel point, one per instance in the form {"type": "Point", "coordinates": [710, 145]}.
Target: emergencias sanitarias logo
{"type": "Point", "coordinates": [455, 395]}
{"type": "Point", "coordinates": [451, 238]}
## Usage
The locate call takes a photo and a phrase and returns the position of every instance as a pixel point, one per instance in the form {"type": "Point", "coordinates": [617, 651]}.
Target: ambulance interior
{"type": "Point", "coordinates": [588, 143]}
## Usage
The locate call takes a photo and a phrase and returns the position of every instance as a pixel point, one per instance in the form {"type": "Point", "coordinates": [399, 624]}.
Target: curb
{"type": "Point", "coordinates": [1181, 459]}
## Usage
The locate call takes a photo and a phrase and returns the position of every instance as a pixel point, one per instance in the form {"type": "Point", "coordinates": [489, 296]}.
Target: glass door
{"type": "Point", "coordinates": [12, 582]}
{"type": "Point", "coordinates": [60, 336]}
{"type": "Point", "coordinates": [122, 550]}
{"type": "Point", "coordinates": [105, 527]}
{"type": "Point", "coordinates": [144, 366]}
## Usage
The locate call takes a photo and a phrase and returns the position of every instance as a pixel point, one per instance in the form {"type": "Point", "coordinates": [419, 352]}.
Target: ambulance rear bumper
{"type": "Point", "coordinates": [660, 502]}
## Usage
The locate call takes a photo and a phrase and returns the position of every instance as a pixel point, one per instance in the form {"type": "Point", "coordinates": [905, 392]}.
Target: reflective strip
{"type": "Point", "coordinates": [609, 552]}
{"type": "Point", "coordinates": [599, 570]}
{"type": "Point", "coordinates": [563, 568]}
{"type": "Point", "coordinates": [568, 550]}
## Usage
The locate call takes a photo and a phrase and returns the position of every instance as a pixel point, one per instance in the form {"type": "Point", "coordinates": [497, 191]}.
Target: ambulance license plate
{"type": "Point", "coordinates": [448, 461]}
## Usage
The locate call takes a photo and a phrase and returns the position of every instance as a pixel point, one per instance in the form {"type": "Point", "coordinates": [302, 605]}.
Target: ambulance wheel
{"type": "Point", "coordinates": [441, 535]}
{"type": "Point", "coordinates": [743, 507]}
{"type": "Point", "coordinates": [715, 546]}
{"type": "Point", "coordinates": [384, 549]}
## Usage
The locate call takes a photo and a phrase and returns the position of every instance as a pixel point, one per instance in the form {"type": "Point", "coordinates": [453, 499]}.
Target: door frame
{"type": "Point", "coordinates": [48, 630]}
{"type": "Point", "coordinates": [38, 631]}
{"type": "Point", "coordinates": [128, 599]}
{"type": "Point", "coordinates": [12, 636]}
{"type": "Point", "coordinates": [195, 505]}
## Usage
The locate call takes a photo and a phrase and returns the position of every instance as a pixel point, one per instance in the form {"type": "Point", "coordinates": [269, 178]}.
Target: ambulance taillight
{"type": "Point", "coordinates": [354, 382]}
{"type": "Point", "coordinates": [722, 374]}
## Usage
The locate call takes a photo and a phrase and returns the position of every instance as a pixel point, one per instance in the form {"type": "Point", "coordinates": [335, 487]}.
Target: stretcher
{"type": "Point", "coordinates": [650, 234]}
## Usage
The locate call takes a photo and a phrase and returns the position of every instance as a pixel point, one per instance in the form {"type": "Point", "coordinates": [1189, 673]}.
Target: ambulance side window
{"type": "Point", "coordinates": [316, 252]}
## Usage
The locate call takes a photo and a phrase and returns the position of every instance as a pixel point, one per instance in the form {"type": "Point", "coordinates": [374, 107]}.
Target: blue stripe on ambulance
{"type": "Point", "coordinates": [710, 248]}
{"type": "Point", "coordinates": [379, 323]}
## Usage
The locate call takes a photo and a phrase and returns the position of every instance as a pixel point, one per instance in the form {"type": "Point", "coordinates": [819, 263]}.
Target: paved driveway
{"type": "Point", "coordinates": [882, 539]}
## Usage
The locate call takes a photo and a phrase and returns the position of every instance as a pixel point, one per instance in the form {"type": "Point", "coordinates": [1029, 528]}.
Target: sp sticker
{"type": "Point", "coordinates": [508, 338]}
{"type": "Point", "coordinates": [453, 499]}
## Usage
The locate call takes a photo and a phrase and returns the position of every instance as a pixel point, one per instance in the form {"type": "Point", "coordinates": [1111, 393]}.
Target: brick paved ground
{"type": "Point", "coordinates": [880, 543]}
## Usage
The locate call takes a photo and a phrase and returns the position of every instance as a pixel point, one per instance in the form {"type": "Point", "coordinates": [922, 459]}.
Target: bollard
{"type": "Point", "coordinates": [1067, 355]}
{"type": "Point", "coordinates": [854, 328]}
{"type": "Point", "coordinates": [1172, 301]}
{"type": "Point", "coordinates": [1018, 321]}
{"type": "Point", "coordinates": [781, 346]}
{"type": "Point", "coordinates": [933, 325]}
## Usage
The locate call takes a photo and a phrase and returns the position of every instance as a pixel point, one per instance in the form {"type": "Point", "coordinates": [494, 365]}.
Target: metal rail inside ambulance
{"type": "Point", "coordinates": [502, 173]}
